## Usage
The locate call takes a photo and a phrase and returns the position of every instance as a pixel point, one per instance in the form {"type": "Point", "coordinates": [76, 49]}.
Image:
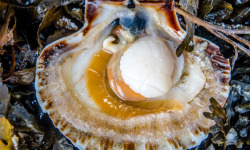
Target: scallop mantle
{"type": "Point", "coordinates": [88, 128]}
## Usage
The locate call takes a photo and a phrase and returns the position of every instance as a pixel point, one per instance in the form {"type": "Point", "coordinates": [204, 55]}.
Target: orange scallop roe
{"type": "Point", "coordinates": [128, 93]}
{"type": "Point", "coordinates": [102, 94]}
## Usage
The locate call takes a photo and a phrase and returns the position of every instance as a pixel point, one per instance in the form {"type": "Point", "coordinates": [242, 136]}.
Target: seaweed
{"type": "Point", "coordinates": [232, 120]}
{"type": "Point", "coordinates": [188, 44]}
{"type": "Point", "coordinates": [19, 48]}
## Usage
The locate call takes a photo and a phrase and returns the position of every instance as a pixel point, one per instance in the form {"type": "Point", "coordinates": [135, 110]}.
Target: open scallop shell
{"type": "Point", "coordinates": [87, 127]}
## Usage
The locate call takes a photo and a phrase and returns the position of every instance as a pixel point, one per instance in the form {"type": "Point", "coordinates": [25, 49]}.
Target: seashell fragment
{"type": "Point", "coordinates": [117, 83]}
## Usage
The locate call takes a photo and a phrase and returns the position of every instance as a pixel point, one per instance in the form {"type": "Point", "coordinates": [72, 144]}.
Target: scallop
{"type": "Point", "coordinates": [117, 83]}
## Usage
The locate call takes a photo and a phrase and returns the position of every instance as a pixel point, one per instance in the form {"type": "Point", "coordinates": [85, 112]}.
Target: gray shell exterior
{"type": "Point", "coordinates": [88, 129]}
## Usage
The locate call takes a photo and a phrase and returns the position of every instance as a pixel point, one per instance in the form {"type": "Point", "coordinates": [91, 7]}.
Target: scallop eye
{"type": "Point", "coordinates": [118, 80]}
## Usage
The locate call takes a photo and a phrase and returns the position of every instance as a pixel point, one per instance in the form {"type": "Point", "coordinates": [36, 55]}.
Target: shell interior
{"type": "Point", "coordinates": [81, 95]}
